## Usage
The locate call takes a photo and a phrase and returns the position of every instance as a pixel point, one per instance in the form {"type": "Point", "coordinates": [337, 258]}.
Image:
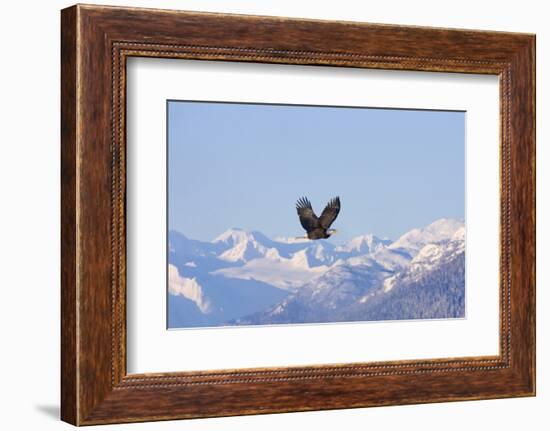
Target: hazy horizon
{"type": "Point", "coordinates": [333, 239]}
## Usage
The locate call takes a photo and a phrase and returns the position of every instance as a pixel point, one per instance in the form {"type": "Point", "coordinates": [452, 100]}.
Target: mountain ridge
{"type": "Point", "coordinates": [310, 278]}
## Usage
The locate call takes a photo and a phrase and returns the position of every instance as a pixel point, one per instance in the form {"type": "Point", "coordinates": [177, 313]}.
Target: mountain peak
{"type": "Point", "coordinates": [439, 230]}
{"type": "Point", "coordinates": [363, 244]}
{"type": "Point", "coordinates": [460, 234]}
{"type": "Point", "coordinates": [233, 236]}
{"type": "Point", "coordinates": [312, 281]}
{"type": "Point", "coordinates": [445, 226]}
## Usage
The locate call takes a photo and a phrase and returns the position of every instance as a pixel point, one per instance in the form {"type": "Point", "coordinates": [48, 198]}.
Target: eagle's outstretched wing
{"type": "Point", "coordinates": [308, 219]}
{"type": "Point", "coordinates": [330, 213]}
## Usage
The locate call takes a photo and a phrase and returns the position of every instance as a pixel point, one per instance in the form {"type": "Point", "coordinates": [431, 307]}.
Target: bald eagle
{"type": "Point", "coordinates": [318, 227]}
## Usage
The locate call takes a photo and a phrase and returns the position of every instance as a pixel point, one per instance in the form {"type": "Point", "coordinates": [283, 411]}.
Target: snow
{"type": "Point", "coordinates": [292, 240]}
{"type": "Point", "coordinates": [440, 230]}
{"type": "Point", "coordinates": [430, 256]}
{"type": "Point", "coordinates": [299, 260]}
{"type": "Point", "coordinates": [460, 234]}
{"type": "Point", "coordinates": [272, 253]}
{"type": "Point", "coordinates": [242, 246]}
{"type": "Point", "coordinates": [363, 244]}
{"type": "Point", "coordinates": [287, 274]}
{"type": "Point", "coordinates": [187, 287]}
{"type": "Point", "coordinates": [244, 251]}
{"type": "Point", "coordinates": [315, 267]}
{"type": "Point", "coordinates": [233, 236]}
{"type": "Point", "coordinates": [389, 283]}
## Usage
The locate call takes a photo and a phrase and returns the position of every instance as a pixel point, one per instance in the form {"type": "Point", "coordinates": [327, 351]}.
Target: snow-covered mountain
{"type": "Point", "coordinates": [322, 300]}
{"type": "Point", "coordinates": [435, 291]}
{"type": "Point", "coordinates": [244, 277]}
{"type": "Point", "coordinates": [429, 257]}
{"type": "Point", "coordinates": [361, 245]}
{"type": "Point", "coordinates": [440, 230]}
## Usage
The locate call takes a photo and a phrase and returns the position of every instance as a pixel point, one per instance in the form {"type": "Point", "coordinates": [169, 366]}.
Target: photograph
{"type": "Point", "coordinates": [283, 214]}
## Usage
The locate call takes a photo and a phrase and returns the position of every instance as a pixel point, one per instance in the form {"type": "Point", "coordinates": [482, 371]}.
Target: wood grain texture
{"type": "Point", "coordinates": [96, 41]}
{"type": "Point", "coordinates": [69, 367]}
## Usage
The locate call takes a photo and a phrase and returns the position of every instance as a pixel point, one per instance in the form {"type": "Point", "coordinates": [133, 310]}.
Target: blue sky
{"type": "Point", "coordinates": [245, 165]}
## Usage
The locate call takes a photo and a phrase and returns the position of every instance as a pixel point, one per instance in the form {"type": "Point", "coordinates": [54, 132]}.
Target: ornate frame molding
{"type": "Point", "coordinates": [96, 41]}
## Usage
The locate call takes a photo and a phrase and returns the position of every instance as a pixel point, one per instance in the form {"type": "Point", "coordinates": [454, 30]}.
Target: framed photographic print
{"type": "Point", "coordinates": [224, 276]}
{"type": "Point", "coordinates": [265, 214]}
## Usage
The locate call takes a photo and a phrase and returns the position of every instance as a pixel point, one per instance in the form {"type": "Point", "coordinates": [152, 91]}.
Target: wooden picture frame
{"type": "Point", "coordinates": [95, 43]}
